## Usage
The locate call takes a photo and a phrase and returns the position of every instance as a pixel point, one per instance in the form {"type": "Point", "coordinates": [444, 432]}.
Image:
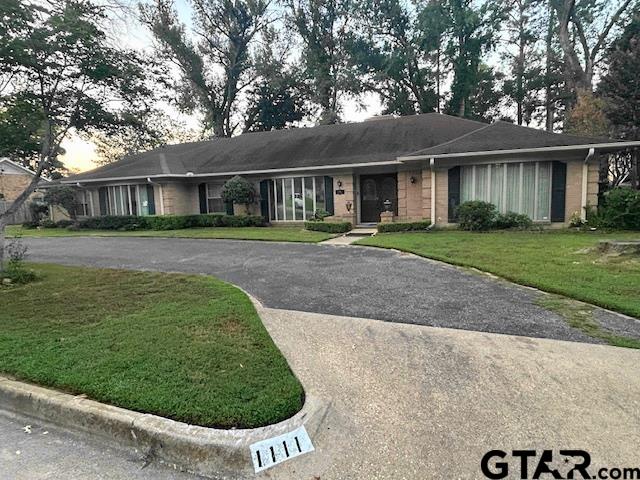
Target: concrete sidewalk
{"type": "Point", "coordinates": [416, 402]}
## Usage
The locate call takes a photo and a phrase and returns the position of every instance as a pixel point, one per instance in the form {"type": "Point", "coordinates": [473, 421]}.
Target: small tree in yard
{"type": "Point", "coordinates": [64, 197]}
{"type": "Point", "coordinates": [56, 55]}
{"type": "Point", "coordinates": [239, 191]}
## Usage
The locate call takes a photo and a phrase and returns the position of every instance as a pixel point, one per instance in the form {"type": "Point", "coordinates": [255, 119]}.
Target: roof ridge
{"type": "Point", "coordinates": [448, 142]}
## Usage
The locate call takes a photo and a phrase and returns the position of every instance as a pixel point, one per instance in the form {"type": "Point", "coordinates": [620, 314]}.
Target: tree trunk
{"type": "Point", "coordinates": [2, 227]}
{"type": "Point", "coordinates": [549, 107]}
{"type": "Point", "coordinates": [635, 169]}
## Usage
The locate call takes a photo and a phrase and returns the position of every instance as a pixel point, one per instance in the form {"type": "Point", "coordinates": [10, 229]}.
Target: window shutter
{"type": "Point", "coordinates": [454, 194]}
{"type": "Point", "coordinates": [151, 200]}
{"type": "Point", "coordinates": [264, 199]}
{"type": "Point", "coordinates": [229, 208]}
{"type": "Point", "coordinates": [558, 190]}
{"type": "Point", "coordinates": [202, 194]}
{"type": "Point", "coordinates": [102, 198]}
{"type": "Point", "coordinates": [328, 195]}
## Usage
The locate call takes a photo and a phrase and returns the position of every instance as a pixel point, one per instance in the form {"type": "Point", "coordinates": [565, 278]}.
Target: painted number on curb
{"type": "Point", "coordinates": [270, 452]}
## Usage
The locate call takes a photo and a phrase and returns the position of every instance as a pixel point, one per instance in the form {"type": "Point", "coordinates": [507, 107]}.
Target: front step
{"type": "Point", "coordinates": [362, 232]}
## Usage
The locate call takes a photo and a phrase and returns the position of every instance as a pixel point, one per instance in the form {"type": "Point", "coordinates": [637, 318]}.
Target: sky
{"type": "Point", "coordinates": [80, 154]}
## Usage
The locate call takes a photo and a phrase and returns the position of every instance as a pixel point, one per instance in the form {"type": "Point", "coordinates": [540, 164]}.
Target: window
{"type": "Point", "coordinates": [523, 187]}
{"type": "Point", "coordinates": [82, 209]}
{"type": "Point", "coordinates": [214, 198]}
{"type": "Point", "coordinates": [296, 198]}
{"type": "Point", "coordinates": [127, 200]}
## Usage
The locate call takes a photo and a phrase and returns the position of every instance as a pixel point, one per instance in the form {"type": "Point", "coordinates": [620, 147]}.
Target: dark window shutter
{"type": "Point", "coordinates": [558, 191]}
{"type": "Point", "coordinates": [229, 208]}
{"type": "Point", "coordinates": [151, 200]}
{"type": "Point", "coordinates": [454, 194]}
{"type": "Point", "coordinates": [103, 197]}
{"type": "Point", "coordinates": [264, 199]}
{"type": "Point", "coordinates": [202, 194]}
{"type": "Point", "coordinates": [328, 195]}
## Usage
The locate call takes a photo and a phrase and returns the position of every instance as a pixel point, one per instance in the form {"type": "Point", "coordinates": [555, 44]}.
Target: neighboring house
{"type": "Point", "coordinates": [14, 178]}
{"type": "Point", "coordinates": [423, 166]}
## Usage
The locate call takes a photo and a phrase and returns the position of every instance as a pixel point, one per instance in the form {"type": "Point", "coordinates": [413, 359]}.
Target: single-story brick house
{"type": "Point", "coordinates": [423, 166]}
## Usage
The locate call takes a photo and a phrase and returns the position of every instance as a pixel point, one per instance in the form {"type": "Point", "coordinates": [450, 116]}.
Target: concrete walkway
{"type": "Point", "coordinates": [415, 402]}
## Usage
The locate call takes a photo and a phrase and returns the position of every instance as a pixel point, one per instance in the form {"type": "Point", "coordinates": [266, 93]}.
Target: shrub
{"type": "Point", "coordinates": [64, 223]}
{"type": "Point", "coordinates": [30, 225]}
{"type": "Point", "coordinates": [47, 223]}
{"type": "Point", "coordinates": [63, 196]}
{"type": "Point", "coordinates": [239, 191]}
{"type": "Point", "coordinates": [170, 222]}
{"type": "Point", "coordinates": [114, 222]}
{"type": "Point", "coordinates": [512, 220]}
{"type": "Point", "coordinates": [620, 209]}
{"type": "Point", "coordinates": [404, 226]}
{"type": "Point", "coordinates": [319, 215]}
{"type": "Point", "coordinates": [575, 220]}
{"type": "Point", "coordinates": [39, 211]}
{"type": "Point", "coordinates": [328, 227]}
{"type": "Point", "coordinates": [476, 215]}
{"type": "Point", "coordinates": [15, 271]}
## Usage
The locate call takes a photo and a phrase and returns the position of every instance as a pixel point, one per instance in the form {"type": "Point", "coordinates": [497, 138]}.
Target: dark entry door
{"type": "Point", "coordinates": [374, 190]}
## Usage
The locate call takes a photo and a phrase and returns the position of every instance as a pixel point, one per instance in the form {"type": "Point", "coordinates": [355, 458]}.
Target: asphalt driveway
{"type": "Point", "coordinates": [349, 281]}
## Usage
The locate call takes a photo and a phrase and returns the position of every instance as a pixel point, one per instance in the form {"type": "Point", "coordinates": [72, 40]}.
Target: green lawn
{"type": "Point", "coordinates": [276, 234]}
{"type": "Point", "coordinates": [553, 261]}
{"type": "Point", "coordinates": [186, 347]}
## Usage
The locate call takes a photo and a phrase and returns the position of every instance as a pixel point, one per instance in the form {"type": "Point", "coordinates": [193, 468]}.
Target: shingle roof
{"type": "Point", "coordinates": [381, 140]}
{"type": "Point", "coordinates": [505, 136]}
{"type": "Point", "coordinates": [349, 143]}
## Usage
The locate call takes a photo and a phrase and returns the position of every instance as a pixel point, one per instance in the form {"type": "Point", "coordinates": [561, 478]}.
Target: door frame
{"type": "Point", "coordinates": [358, 195]}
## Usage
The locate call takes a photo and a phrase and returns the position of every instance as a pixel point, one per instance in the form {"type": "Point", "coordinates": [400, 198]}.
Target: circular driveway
{"type": "Point", "coordinates": [349, 281]}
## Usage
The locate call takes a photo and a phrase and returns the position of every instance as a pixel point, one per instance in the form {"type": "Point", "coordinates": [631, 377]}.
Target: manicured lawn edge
{"type": "Point", "coordinates": [189, 348]}
{"type": "Point", "coordinates": [262, 234]}
{"type": "Point", "coordinates": [553, 289]}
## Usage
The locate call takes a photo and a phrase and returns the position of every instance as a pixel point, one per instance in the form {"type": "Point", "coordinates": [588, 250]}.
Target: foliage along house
{"type": "Point", "coordinates": [423, 166]}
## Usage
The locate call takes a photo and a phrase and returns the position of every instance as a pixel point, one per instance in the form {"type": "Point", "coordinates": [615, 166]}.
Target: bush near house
{"type": "Point", "coordinates": [404, 226]}
{"type": "Point", "coordinates": [165, 222]}
{"type": "Point", "coordinates": [328, 227]}
{"type": "Point", "coordinates": [507, 220]}
{"type": "Point", "coordinates": [476, 216]}
{"type": "Point", "coordinates": [479, 216]}
{"type": "Point", "coordinates": [620, 210]}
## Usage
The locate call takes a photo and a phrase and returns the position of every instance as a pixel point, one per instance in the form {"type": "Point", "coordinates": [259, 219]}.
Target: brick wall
{"type": "Point", "coordinates": [341, 213]}
{"type": "Point", "coordinates": [573, 203]}
{"type": "Point", "coordinates": [442, 197]}
{"type": "Point", "coordinates": [179, 199]}
{"type": "Point", "coordinates": [410, 203]}
{"type": "Point", "coordinates": [12, 185]}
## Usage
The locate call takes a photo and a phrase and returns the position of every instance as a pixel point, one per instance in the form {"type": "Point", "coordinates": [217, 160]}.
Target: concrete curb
{"type": "Point", "coordinates": [205, 451]}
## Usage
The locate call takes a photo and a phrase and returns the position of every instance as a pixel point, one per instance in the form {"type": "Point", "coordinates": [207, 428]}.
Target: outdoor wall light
{"type": "Point", "coordinates": [339, 183]}
{"type": "Point", "coordinates": [349, 204]}
{"type": "Point", "coordinates": [412, 179]}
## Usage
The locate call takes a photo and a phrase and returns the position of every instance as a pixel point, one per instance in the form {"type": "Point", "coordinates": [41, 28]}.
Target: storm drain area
{"type": "Point", "coordinates": [267, 453]}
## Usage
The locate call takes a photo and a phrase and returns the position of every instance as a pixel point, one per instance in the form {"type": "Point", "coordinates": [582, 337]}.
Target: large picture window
{"type": "Point", "coordinates": [127, 200]}
{"type": "Point", "coordinates": [512, 187]}
{"type": "Point", "coordinates": [296, 198]}
{"type": "Point", "coordinates": [215, 204]}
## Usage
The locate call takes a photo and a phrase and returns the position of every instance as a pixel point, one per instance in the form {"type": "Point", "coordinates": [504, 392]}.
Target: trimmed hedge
{"type": "Point", "coordinates": [328, 227]}
{"type": "Point", "coordinates": [404, 226]}
{"type": "Point", "coordinates": [170, 222]}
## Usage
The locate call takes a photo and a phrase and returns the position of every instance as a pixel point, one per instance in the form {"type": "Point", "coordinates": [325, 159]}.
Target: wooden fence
{"type": "Point", "coordinates": [22, 215]}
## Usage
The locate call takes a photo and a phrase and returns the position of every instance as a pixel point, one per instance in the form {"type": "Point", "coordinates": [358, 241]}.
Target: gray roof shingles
{"type": "Point", "coordinates": [374, 141]}
{"type": "Point", "coordinates": [506, 136]}
{"type": "Point", "coordinates": [348, 143]}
